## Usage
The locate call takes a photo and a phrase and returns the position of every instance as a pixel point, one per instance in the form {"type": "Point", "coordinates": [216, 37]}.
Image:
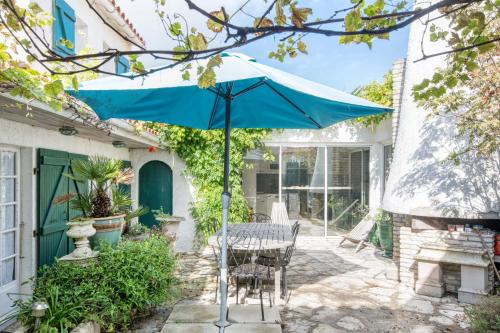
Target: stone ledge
{"type": "Point", "coordinates": [463, 256]}
{"type": "Point", "coordinates": [211, 328]}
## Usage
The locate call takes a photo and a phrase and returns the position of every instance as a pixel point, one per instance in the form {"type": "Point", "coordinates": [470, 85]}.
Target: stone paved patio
{"type": "Point", "coordinates": [335, 290]}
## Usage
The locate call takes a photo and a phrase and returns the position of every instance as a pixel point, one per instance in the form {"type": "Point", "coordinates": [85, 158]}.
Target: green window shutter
{"type": "Point", "coordinates": [63, 28]}
{"type": "Point", "coordinates": [122, 65]}
{"type": "Point", "coordinates": [52, 218]}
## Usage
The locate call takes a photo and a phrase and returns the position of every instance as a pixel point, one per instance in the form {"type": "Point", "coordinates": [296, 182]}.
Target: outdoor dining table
{"type": "Point", "coordinates": [270, 238]}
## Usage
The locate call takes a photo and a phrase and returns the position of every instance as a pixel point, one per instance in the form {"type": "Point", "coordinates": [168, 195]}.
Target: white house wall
{"type": "Point", "coordinates": [28, 139]}
{"type": "Point", "coordinates": [422, 181]}
{"type": "Point", "coordinates": [23, 135]}
{"type": "Point", "coordinates": [342, 133]}
{"type": "Point", "coordinates": [182, 190]}
{"type": "Point", "coordinates": [96, 35]}
{"type": "Point", "coordinates": [97, 32]}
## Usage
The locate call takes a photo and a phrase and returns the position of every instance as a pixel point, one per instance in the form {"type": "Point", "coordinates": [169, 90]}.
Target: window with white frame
{"type": "Point", "coordinates": [81, 38]}
{"type": "Point", "coordinates": [9, 206]}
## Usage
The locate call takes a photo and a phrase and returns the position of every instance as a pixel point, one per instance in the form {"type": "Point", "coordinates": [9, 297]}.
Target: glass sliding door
{"type": "Point", "coordinates": [325, 188]}
{"type": "Point", "coordinates": [348, 188]}
{"type": "Point", "coordinates": [303, 187]}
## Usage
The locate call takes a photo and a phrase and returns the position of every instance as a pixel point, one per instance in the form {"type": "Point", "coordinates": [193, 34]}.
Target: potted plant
{"type": "Point", "coordinates": [137, 232]}
{"type": "Point", "coordinates": [168, 224]}
{"type": "Point", "coordinates": [384, 228]}
{"type": "Point", "coordinates": [105, 204]}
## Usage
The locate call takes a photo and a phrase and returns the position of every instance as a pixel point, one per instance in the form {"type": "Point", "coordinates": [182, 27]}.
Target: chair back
{"type": "Point", "coordinates": [290, 249]}
{"type": "Point", "coordinates": [243, 252]}
{"type": "Point", "coordinates": [363, 228]}
{"type": "Point", "coordinates": [279, 215]}
{"type": "Point", "coordinates": [212, 228]}
{"type": "Point", "coordinates": [259, 218]}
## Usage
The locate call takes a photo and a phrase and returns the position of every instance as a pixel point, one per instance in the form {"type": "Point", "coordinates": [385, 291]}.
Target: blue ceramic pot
{"type": "Point", "coordinates": [108, 229]}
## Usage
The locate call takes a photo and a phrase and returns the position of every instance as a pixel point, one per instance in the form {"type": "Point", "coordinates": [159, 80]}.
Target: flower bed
{"type": "Point", "coordinates": [122, 284]}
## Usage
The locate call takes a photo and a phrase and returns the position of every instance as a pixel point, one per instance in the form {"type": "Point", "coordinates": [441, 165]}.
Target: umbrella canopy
{"type": "Point", "coordinates": [246, 95]}
{"type": "Point", "coordinates": [265, 98]}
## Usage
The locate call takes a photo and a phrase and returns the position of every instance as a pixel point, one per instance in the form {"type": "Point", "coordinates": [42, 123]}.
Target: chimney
{"type": "Point", "coordinates": [398, 76]}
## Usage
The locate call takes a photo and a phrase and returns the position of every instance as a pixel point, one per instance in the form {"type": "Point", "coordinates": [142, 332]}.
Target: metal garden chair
{"type": "Point", "coordinates": [284, 259]}
{"type": "Point", "coordinates": [279, 214]}
{"type": "Point", "coordinates": [244, 253]}
{"type": "Point", "coordinates": [213, 227]}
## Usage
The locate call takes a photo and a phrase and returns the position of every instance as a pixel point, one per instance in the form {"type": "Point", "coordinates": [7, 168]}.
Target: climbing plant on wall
{"type": "Point", "coordinates": [377, 92]}
{"type": "Point", "coordinates": [203, 153]}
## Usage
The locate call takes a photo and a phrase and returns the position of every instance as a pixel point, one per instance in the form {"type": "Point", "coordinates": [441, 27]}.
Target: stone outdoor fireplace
{"type": "Point", "coordinates": [426, 191]}
{"type": "Point", "coordinates": [434, 261]}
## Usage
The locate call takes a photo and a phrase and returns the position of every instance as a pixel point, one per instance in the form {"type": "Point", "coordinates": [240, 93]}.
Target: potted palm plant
{"type": "Point", "coordinates": [106, 205]}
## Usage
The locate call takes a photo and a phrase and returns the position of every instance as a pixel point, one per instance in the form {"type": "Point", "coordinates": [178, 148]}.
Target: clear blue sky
{"type": "Point", "coordinates": [343, 67]}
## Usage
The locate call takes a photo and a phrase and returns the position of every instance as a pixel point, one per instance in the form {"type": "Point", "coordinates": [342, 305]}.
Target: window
{"type": "Point", "coordinates": [122, 65]}
{"type": "Point", "coordinates": [63, 34]}
{"type": "Point", "coordinates": [9, 226]}
{"type": "Point", "coordinates": [82, 31]}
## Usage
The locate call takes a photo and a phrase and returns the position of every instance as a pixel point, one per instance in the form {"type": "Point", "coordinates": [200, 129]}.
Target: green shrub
{"type": "Point", "coordinates": [120, 285]}
{"type": "Point", "coordinates": [484, 317]}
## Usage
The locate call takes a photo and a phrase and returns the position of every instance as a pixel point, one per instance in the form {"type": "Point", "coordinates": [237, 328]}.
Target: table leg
{"type": "Point", "coordinates": [277, 279]}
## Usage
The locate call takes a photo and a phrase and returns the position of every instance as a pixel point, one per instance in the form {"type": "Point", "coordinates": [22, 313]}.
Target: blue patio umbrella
{"type": "Point", "coordinates": [247, 95]}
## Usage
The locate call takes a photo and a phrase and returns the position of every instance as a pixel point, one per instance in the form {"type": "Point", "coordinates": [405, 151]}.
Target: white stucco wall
{"type": "Point", "coordinates": [182, 189]}
{"type": "Point", "coordinates": [23, 135]}
{"type": "Point", "coordinates": [422, 181]}
{"type": "Point", "coordinates": [96, 33]}
{"type": "Point", "coordinates": [342, 133]}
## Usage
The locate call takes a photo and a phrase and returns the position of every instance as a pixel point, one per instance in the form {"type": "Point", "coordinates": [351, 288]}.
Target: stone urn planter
{"type": "Point", "coordinates": [108, 229]}
{"type": "Point", "coordinates": [80, 231]}
{"type": "Point", "coordinates": [170, 225]}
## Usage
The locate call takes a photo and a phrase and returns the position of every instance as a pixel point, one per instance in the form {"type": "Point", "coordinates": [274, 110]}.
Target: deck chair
{"type": "Point", "coordinates": [279, 214]}
{"type": "Point", "coordinates": [360, 232]}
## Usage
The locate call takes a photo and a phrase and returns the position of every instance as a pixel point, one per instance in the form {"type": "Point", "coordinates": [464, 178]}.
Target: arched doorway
{"type": "Point", "coordinates": [155, 190]}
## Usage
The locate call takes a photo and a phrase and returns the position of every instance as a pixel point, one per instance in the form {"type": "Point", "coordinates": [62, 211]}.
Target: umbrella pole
{"type": "Point", "coordinates": [226, 196]}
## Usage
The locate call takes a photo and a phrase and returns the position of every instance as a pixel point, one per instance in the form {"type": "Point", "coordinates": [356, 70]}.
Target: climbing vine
{"type": "Point", "coordinates": [377, 92]}
{"type": "Point", "coordinates": [203, 153]}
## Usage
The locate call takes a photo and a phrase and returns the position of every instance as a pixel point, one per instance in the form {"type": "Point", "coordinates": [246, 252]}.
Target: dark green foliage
{"type": "Point", "coordinates": [484, 317]}
{"type": "Point", "coordinates": [121, 284]}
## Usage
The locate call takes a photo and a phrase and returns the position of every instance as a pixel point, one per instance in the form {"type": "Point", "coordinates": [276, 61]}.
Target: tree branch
{"type": "Point", "coordinates": [239, 33]}
{"type": "Point", "coordinates": [465, 48]}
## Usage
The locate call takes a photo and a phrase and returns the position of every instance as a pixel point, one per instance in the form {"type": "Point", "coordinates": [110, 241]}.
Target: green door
{"type": "Point", "coordinates": [52, 218]}
{"type": "Point", "coordinates": [127, 188]}
{"type": "Point", "coordinates": [155, 190]}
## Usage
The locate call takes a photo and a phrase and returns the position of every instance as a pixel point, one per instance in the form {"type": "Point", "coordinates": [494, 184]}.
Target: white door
{"type": "Point", "coordinates": [9, 228]}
